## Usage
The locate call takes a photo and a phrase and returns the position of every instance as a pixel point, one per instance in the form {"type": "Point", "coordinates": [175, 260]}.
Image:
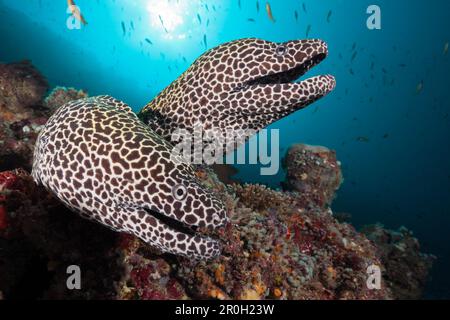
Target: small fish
{"type": "Point", "coordinates": [354, 55]}
{"type": "Point", "coordinates": [419, 87]}
{"type": "Point", "coordinates": [239, 4]}
{"type": "Point", "coordinates": [251, 20]}
{"type": "Point", "coordinates": [363, 139]}
{"type": "Point", "coordinates": [329, 16]}
{"type": "Point", "coordinates": [132, 25]}
{"type": "Point", "coordinates": [296, 15]}
{"type": "Point", "coordinates": [446, 48]}
{"type": "Point", "coordinates": [304, 7]}
{"type": "Point", "coordinates": [162, 23]}
{"type": "Point", "coordinates": [205, 41]}
{"type": "Point", "coordinates": [386, 135]}
{"type": "Point", "coordinates": [76, 11]}
{"type": "Point", "coordinates": [257, 6]}
{"type": "Point", "coordinates": [148, 41]}
{"type": "Point", "coordinates": [124, 29]}
{"type": "Point", "coordinates": [308, 30]}
{"type": "Point", "coordinates": [269, 12]}
{"type": "Point", "coordinates": [199, 18]}
{"type": "Point", "coordinates": [351, 72]}
{"type": "Point", "coordinates": [354, 46]}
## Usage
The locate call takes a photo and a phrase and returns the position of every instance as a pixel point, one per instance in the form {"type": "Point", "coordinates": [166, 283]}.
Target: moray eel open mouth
{"type": "Point", "coordinates": [241, 86]}
{"type": "Point", "coordinates": [289, 76]}
{"type": "Point", "coordinates": [282, 88]}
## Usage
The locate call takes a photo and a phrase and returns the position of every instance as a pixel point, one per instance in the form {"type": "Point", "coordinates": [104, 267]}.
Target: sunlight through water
{"type": "Point", "coordinates": [168, 17]}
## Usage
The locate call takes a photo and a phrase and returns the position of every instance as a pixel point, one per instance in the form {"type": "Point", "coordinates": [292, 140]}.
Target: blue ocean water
{"type": "Point", "coordinates": [388, 118]}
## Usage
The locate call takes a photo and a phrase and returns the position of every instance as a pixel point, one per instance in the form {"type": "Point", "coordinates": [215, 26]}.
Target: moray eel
{"type": "Point", "coordinates": [101, 161]}
{"type": "Point", "coordinates": [244, 85]}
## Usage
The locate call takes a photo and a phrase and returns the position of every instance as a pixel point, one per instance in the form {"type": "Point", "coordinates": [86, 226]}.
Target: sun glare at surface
{"type": "Point", "coordinates": [168, 16]}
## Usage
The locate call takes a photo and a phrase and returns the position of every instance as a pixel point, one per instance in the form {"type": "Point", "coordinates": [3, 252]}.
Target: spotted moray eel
{"type": "Point", "coordinates": [243, 86]}
{"type": "Point", "coordinates": [101, 161]}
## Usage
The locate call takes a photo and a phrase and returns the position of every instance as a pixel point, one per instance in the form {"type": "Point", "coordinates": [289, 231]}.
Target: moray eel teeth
{"type": "Point", "coordinates": [101, 161]}
{"type": "Point", "coordinates": [244, 85]}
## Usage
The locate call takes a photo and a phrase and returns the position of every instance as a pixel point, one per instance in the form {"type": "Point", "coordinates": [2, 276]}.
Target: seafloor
{"type": "Point", "coordinates": [280, 245]}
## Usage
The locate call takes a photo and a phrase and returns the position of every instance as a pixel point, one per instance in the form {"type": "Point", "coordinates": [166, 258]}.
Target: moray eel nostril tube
{"type": "Point", "coordinates": [98, 158]}
{"type": "Point", "coordinates": [241, 85]}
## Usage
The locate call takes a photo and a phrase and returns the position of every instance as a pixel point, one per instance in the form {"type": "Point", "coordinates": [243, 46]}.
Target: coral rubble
{"type": "Point", "coordinates": [279, 245]}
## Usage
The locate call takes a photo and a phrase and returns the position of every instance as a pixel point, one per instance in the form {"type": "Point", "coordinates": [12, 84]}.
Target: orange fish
{"type": "Point", "coordinates": [76, 11]}
{"type": "Point", "coordinates": [269, 12]}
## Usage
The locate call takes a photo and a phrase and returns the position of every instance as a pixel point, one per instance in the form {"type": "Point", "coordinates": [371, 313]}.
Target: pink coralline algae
{"type": "Point", "coordinates": [279, 245]}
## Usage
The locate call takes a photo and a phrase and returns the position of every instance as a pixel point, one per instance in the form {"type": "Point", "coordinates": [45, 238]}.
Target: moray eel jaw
{"type": "Point", "coordinates": [301, 55]}
{"type": "Point", "coordinates": [270, 88]}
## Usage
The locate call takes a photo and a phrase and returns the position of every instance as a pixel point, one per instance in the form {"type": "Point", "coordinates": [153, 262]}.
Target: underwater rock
{"type": "Point", "coordinates": [22, 88]}
{"type": "Point", "coordinates": [407, 269]}
{"type": "Point", "coordinates": [313, 172]}
{"type": "Point", "coordinates": [23, 111]}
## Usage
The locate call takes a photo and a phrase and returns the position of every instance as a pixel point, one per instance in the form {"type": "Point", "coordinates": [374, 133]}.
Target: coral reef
{"type": "Point", "coordinates": [279, 244]}
{"type": "Point", "coordinates": [406, 268]}
{"type": "Point", "coordinates": [21, 91]}
{"type": "Point", "coordinates": [275, 249]}
{"type": "Point", "coordinates": [61, 95]}
{"type": "Point", "coordinates": [22, 113]}
{"type": "Point", "coordinates": [314, 172]}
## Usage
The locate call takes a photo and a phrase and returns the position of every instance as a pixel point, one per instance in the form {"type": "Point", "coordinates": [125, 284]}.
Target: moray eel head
{"type": "Point", "coordinates": [266, 78]}
{"type": "Point", "coordinates": [240, 85]}
{"type": "Point", "coordinates": [101, 161]}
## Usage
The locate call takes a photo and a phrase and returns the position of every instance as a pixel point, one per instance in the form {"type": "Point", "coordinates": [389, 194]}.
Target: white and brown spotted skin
{"type": "Point", "coordinates": [242, 85]}
{"type": "Point", "coordinates": [98, 158]}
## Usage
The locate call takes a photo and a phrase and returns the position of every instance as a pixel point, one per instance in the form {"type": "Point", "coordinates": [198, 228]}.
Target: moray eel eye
{"type": "Point", "coordinates": [179, 192]}
{"type": "Point", "coordinates": [281, 50]}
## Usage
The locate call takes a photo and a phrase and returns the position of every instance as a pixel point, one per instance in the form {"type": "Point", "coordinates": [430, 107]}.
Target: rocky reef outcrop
{"type": "Point", "coordinates": [279, 245]}
{"type": "Point", "coordinates": [314, 172]}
